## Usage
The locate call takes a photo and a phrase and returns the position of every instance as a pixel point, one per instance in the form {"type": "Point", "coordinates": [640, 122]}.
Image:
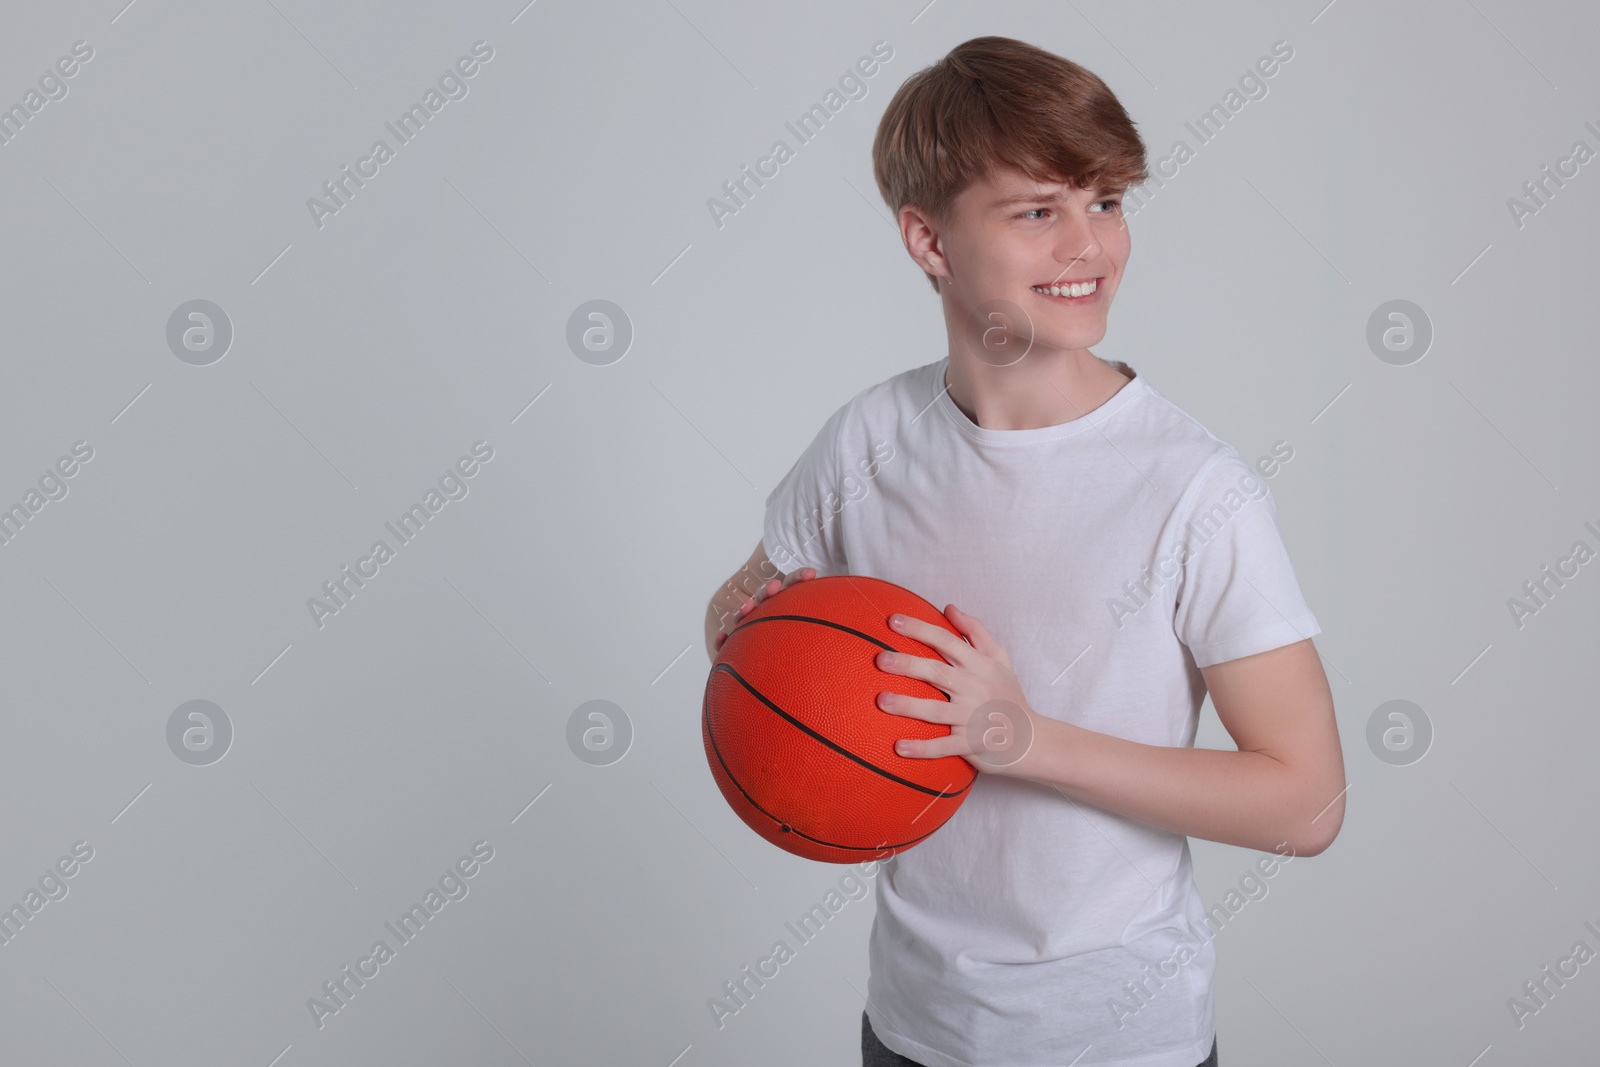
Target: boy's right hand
{"type": "Point", "coordinates": [772, 587]}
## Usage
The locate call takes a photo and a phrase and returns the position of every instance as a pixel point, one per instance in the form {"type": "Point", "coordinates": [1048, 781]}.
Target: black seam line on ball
{"type": "Point", "coordinates": [786, 827]}
{"type": "Point", "coordinates": [835, 625]}
{"type": "Point", "coordinates": [836, 747]}
{"type": "Point", "coordinates": [819, 622]}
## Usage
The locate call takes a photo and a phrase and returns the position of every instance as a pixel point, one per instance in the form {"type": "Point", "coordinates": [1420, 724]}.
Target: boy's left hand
{"type": "Point", "coordinates": [991, 724]}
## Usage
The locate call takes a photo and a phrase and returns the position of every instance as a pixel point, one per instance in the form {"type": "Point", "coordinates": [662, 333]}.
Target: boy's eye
{"type": "Point", "coordinates": [1035, 213]}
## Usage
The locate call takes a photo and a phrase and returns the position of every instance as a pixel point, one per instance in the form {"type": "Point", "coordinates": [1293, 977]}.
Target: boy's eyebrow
{"type": "Point", "coordinates": [1043, 198]}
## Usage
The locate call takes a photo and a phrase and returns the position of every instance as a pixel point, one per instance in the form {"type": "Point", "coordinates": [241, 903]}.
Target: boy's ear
{"type": "Point", "coordinates": [923, 241]}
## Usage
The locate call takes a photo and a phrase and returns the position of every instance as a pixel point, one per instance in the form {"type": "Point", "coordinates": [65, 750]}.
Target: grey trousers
{"type": "Point", "coordinates": [875, 1053]}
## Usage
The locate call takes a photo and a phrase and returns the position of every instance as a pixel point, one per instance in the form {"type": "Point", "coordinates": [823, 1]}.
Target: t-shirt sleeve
{"type": "Point", "coordinates": [801, 528]}
{"type": "Point", "coordinates": [1237, 593]}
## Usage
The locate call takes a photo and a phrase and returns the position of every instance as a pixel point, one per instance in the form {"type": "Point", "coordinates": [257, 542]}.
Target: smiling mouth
{"type": "Point", "coordinates": [1071, 292]}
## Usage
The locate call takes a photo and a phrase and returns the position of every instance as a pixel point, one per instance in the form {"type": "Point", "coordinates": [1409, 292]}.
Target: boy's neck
{"type": "Point", "coordinates": [1038, 391]}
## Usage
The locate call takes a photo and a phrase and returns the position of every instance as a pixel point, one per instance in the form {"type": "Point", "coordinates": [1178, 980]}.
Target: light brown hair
{"type": "Point", "coordinates": [994, 101]}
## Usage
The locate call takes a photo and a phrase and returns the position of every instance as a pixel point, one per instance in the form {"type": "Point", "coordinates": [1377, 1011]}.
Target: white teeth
{"type": "Point", "coordinates": [1075, 289]}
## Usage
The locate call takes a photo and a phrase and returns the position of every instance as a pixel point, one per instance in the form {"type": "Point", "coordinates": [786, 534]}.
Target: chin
{"type": "Point", "coordinates": [1069, 340]}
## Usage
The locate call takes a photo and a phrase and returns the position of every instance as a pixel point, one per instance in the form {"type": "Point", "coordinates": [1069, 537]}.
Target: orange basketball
{"type": "Point", "coordinates": [795, 737]}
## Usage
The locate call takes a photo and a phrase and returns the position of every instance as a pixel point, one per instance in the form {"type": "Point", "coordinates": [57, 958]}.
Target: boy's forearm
{"type": "Point", "coordinates": [716, 616]}
{"type": "Point", "coordinates": [1247, 799]}
{"type": "Point", "coordinates": [721, 614]}
{"type": "Point", "coordinates": [723, 611]}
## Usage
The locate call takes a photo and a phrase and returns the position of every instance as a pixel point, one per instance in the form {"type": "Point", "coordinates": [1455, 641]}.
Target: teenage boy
{"type": "Point", "coordinates": [1124, 562]}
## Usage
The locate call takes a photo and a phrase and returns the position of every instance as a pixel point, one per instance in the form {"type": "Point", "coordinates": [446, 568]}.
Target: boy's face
{"type": "Point", "coordinates": [1010, 237]}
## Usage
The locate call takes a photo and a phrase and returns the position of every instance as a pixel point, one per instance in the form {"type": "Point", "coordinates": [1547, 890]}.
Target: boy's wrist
{"type": "Point", "coordinates": [1048, 743]}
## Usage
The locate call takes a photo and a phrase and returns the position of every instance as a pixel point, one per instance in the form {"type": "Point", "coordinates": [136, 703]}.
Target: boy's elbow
{"type": "Point", "coordinates": [1315, 846]}
{"type": "Point", "coordinates": [1323, 830]}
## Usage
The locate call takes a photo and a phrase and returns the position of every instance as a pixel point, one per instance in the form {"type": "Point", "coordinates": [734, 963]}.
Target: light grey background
{"type": "Point", "coordinates": [369, 354]}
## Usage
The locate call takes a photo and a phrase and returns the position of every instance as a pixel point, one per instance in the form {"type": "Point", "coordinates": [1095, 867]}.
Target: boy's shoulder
{"type": "Point", "coordinates": [1197, 463]}
{"type": "Point", "coordinates": [884, 406]}
{"type": "Point", "coordinates": [898, 390]}
{"type": "Point", "coordinates": [1177, 429]}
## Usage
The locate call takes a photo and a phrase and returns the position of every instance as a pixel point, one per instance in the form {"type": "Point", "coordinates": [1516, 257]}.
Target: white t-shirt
{"type": "Point", "coordinates": [1111, 556]}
